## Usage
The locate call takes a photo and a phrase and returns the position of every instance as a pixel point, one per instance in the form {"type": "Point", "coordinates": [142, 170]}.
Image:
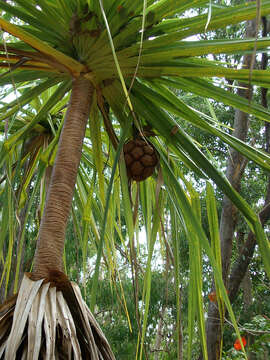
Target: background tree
{"type": "Point", "coordinates": [236, 165]}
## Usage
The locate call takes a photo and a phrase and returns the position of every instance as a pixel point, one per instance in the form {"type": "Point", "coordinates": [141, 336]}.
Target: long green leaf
{"type": "Point", "coordinates": [165, 98]}
{"type": "Point", "coordinates": [191, 224]}
{"type": "Point", "coordinates": [102, 235]}
{"type": "Point", "coordinates": [52, 101]}
{"type": "Point", "coordinates": [72, 65]}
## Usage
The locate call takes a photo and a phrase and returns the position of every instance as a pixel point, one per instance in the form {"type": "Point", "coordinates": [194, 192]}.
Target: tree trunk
{"type": "Point", "coordinates": [246, 253]}
{"type": "Point", "coordinates": [66, 330]}
{"type": "Point", "coordinates": [50, 244]}
{"type": "Point", "coordinates": [235, 168]}
{"type": "Point", "coordinates": [159, 335]}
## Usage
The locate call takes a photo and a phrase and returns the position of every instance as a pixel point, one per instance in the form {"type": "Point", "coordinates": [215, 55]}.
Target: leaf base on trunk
{"type": "Point", "coordinates": [48, 319]}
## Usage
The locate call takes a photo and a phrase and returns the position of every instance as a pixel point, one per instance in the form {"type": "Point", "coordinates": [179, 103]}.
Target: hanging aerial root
{"type": "Point", "coordinates": [50, 320]}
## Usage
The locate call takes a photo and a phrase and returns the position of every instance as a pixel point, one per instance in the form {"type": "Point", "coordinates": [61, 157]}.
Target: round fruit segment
{"type": "Point", "coordinates": [141, 159]}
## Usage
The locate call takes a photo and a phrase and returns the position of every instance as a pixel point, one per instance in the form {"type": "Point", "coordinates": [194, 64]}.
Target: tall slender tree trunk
{"type": "Point", "coordinates": [159, 334]}
{"type": "Point", "coordinates": [67, 329]}
{"type": "Point", "coordinates": [50, 244]}
{"type": "Point", "coordinates": [235, 169]}
{"type": "Point", "coordinates": [245, 255]}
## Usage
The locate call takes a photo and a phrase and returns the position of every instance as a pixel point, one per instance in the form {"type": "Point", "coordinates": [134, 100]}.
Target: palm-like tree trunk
{"type": "Point", "coordinates": [60, 306]}
{"type": "Point", "coordinates": [50, 245]}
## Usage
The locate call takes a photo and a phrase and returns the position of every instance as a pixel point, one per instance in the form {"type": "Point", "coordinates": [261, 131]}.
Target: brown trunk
{"type": "Point", "coordinates": [50, 244]}
{"type": "Point", "coordinates": [159, 335]}
{"type": "Point", "coordinates": [246, 253]}
{"type": "Point", "coordinates": [247, 291]}
{"type": "Point", "coordinates": [235, 168]}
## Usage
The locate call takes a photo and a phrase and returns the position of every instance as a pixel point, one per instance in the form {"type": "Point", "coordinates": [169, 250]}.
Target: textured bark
{"type": "Point", "coordinates": [181, 341]}
{"type": "Point", "coordinates": [159, 334]}
{"type": "Point", "coordinates": [50, 244]}
{"type": "Point", "coordinates": [247, 290]}
{"type": "Point", "coordinates": [246, 253]}
{"type": "Point", "coordinates": [235, 168]}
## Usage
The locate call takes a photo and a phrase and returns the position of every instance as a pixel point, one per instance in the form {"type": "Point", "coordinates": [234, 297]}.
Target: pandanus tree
{"type": "Point", "coordinates": [127, 63]}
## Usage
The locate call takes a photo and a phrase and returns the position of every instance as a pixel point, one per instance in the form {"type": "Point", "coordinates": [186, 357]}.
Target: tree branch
{"type": "Point", "coordinates": [240, 267]}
